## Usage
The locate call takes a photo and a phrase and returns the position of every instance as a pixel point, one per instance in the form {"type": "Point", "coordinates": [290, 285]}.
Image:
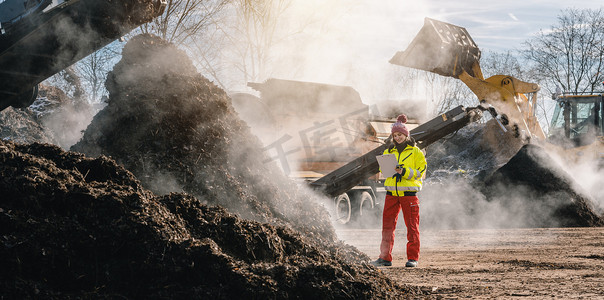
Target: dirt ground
{"type": "Point", "coordinates": [560, 263]}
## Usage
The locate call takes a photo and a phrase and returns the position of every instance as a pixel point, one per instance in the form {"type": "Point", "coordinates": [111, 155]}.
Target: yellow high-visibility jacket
{"type": "Point", "coordinates": [414, 165]}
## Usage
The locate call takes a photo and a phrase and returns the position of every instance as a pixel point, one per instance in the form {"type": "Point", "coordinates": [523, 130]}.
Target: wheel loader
{"type": "Point", "coordinates": [39, 38]}
{"type": "Point", "coordinates": [448, 50]}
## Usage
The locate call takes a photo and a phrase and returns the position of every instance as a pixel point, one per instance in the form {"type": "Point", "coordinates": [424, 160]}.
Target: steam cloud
{"type": "Point", "coordinates": [176, 131]}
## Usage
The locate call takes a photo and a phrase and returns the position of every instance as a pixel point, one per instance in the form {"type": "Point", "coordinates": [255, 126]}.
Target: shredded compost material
{"type": "Point", "coordinates": [54, 118]}
{"type": "Point", "coordinates": [478, 149]}
{"type": "Point", "coordinates": [78, 227]}
{"type": "Point", "coordinates": [549, 194]}
{"type": "Point", "coordinates": [493, 179]}
{"type": "Point", "coordinates": [22, 126]}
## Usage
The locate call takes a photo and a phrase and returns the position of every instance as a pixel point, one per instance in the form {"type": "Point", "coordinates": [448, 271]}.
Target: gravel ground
{"type": "Point", "coordinates": [534, 263]}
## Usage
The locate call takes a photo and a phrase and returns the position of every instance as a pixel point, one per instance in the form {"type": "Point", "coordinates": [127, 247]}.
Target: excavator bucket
{"type": "Point", "coordinates": [441, 48]}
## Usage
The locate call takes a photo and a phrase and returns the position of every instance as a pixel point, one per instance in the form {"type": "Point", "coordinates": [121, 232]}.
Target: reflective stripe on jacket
{"type": "Point", "coordinates": [414, 165]}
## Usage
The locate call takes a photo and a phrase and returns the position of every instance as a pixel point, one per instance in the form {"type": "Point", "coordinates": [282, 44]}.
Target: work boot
{"type": "Point", "coordinates": [381, 263]}
{"type": "Point", "coordinates": [411, 263]}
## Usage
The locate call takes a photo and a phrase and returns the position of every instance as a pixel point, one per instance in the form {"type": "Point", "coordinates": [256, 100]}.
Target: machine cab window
{"type": "Point", "coordinates": [577, 118]}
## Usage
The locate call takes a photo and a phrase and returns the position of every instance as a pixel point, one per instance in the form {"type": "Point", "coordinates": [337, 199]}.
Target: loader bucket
{"type": "Point", "coordinates": [441, 48]}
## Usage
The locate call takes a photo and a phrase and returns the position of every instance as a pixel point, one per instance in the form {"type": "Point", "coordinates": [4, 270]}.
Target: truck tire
{"type": "Point", "coordinates": [366, 205]}
{"type": "Point", "coordinates": [343, 209]}
{"type": "Point", "coordinates": [363, 213]}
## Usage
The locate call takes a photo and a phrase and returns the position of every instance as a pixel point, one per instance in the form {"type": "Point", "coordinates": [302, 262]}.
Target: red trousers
{"type": "Point", "coordinates": [392, 207]}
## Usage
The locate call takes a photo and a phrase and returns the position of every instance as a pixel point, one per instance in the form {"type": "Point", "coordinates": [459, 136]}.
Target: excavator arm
{"type": "Point", "coordinates": [39, 38]}
{"type": "Point", "coordinates": [509, 95]}
{"type": "Point", "coordinates": [448, 50]}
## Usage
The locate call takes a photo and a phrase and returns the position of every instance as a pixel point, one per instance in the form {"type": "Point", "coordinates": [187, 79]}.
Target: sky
{"type": "Point", "coordinates": [504, 25]}
{"type": "Point", "coordinates": [349, 42]}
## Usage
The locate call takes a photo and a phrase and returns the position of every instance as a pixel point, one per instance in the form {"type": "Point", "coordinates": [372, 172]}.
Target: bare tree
{"type": "Point", "coordinates": [184, 20]}
{"type": "Point", "coordinates": [437, 93]}
{"type": "Point", "coordinates": [505, 63]}
{"type": "Point", "coordinates": [571, 54]}
{"type": "Point", "coordinates": [244, 43]}
{"type": "Point", "coordinates": [241, 45]}
{"type": "Point", "coordinates": [259, 20]}
{"type": "Point", "coordinates": [448, 92]}
{"type": "Point", "coordinates": [209, 28]}
{"type": "Point", "coordinates": [93, 70]}
{"type": "Point", "coordinates": [69, 81]}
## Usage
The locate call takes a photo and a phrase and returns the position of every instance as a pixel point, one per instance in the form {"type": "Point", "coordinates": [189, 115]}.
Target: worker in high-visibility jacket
{"type": "Point", "coordinates": [402, 190]}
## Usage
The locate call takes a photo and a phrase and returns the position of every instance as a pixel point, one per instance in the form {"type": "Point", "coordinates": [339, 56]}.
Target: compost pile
{"type": "Point", "coordinates": [532, 176]}
{"type": "Point", "coordinates": [73, 227]}
{"type": "Point", "coordinates": [493, 179]}
{"type": "Point", "coordinates": [25, 125]}
{"type": "Point", "coordinates": [178, 132]}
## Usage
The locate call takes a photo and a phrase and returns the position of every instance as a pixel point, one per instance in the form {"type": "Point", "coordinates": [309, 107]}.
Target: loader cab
{"type": "Point", "coordinates": [578, 118]}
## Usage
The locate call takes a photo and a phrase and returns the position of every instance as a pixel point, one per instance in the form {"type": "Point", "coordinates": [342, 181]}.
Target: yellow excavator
{"type": "Point", "coordinates": [448, 50]}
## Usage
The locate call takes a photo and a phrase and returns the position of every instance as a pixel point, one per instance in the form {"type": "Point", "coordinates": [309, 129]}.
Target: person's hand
{"type": "Point", "coordinates": [398, 169]}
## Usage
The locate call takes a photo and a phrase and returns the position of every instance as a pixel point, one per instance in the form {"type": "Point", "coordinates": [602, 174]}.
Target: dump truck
{"type": "Point", "coordinates": [39, 38]}
{"type": "Point", "coordinates": [448, 50]}
{"type": "Point", "coordinates": [328, 139]}
{"type": "Point", "coordinates": [316, 128]}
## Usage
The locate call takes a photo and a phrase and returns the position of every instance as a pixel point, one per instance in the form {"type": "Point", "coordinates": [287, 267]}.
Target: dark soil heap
{"type": "Point", "coordinates": [76, 227]}
{"type": "Point", "coordinates": [177, 131]}
{"type": "Point", "coordinates": [548, 193]}
{"type": "Point", "coordinates": [495, 180]}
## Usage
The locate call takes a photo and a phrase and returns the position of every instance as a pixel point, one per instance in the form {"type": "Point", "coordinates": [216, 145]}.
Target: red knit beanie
{"type": "Point", "coordinates": [399, 125]}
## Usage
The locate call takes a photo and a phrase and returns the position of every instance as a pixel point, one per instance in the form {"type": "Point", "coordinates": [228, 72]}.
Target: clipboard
{"type": "Point", "coordinates": [387, 164]}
